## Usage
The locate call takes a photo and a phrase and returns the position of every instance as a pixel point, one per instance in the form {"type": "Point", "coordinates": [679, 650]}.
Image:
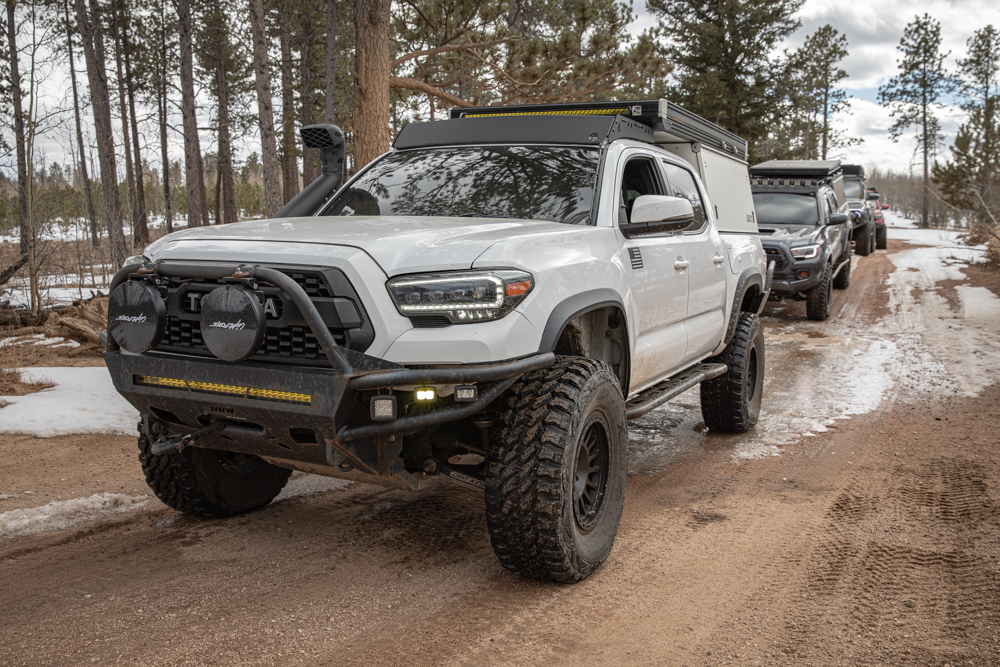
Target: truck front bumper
{"type": "Point", "coordinates": [312, 417]}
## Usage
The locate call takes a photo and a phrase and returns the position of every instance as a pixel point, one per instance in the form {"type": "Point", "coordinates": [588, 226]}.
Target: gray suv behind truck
{"type": "Point", "coordinates": [803, 226]}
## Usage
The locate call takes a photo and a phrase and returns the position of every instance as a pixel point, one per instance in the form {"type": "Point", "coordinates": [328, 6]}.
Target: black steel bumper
{"type": "Point", "coordinates": [786, 284]}
{"type": "Point", "coordinates": [307, 416]}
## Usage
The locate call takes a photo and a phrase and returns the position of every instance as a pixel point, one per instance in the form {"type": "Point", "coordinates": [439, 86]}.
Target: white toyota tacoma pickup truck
{"type": "Point", "coordinates": [489, 302]}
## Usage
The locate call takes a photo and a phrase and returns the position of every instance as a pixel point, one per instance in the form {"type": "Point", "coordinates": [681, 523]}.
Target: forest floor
{"type": "Point", "coordinates": [859, 524]}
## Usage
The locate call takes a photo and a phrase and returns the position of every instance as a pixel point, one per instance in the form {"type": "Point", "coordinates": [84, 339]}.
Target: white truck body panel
{"type": "Point", "coordinates": [677, 305]}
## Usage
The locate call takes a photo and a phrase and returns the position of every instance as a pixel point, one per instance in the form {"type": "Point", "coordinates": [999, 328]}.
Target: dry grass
{"type": "Point", "coordinates": [14, 357]}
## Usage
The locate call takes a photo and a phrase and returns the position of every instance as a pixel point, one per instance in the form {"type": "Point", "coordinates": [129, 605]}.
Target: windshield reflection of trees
{"type": "Point", "coordinates": [541, 183]}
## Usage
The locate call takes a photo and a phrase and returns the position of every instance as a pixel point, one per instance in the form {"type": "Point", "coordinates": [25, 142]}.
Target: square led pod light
{"type": "Point", "coordinates": [466, 393]}
{"type": "Point", "coordinates": [383, 407]}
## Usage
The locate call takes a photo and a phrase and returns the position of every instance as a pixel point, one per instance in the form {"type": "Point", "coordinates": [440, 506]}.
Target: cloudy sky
{"type": "Point", "coordinates": [873, 32]}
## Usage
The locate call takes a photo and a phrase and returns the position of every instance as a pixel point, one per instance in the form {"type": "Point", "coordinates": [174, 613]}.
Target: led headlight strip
{"type": "Point", "coordinates": [463, 298]}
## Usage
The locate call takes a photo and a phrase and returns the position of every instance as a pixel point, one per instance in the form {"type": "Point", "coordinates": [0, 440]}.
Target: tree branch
{"type": "Point", "coordinates": [443, 49]}
{"type": "Point", "coordinates": [406, 83]}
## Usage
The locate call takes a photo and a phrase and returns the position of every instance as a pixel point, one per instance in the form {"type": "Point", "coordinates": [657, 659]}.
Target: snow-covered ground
{"type": "Point", "coordinates": [821, 372]}
{"type": "Point", "coordinates": [62, 514]}
{"type": "Point", "coordinates": [83, 400]}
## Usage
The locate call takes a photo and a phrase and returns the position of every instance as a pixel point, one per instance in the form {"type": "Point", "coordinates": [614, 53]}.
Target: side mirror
{"type": "Point", "coordinates": [838, 218]}
{"type": "Point", "coordinates": [656, 214]}
{"type": "Point", "coordinates": [885, 206]}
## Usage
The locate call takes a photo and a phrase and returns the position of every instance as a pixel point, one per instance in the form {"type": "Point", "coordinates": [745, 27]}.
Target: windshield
{"type": "Point", "coordinates": [556, 184]}
{"type": "Point", "coordinates": [785, 208]}
{"type": "Point", "coordinates": [854, 189]}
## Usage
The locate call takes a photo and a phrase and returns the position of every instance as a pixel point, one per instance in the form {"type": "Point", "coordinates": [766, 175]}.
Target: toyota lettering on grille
{"type": "Point", "coordinates": [271, 305]}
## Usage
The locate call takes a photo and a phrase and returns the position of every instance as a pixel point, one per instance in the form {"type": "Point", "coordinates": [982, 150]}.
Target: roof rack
{"type": "Point", "coordinates": [818, 170]}
{"type": "Point", "coordinates": [585, 130]}
{"type": "Point", "coordinates": [669, 123]}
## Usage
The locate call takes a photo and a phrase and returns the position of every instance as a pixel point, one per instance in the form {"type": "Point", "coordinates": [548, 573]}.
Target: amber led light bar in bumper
{"type": "Point", "coordinates": [224, 389]}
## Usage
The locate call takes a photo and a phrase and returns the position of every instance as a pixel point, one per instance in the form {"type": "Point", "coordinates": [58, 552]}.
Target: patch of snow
{"type": "Point", "coordinates": [83, 400]}
{"type": "Point", "coordinates": [310, 485]}
{"type": "Point", "coordinates": [62, 514]}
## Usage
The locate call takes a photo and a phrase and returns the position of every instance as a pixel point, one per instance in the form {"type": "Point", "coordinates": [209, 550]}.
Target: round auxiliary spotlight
{"type": "Point", "coordinates": [136, 316]}
{"type": "Point", "coordinates": [232, 323]}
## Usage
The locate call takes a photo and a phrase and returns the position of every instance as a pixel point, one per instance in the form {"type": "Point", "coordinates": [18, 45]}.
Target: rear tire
{"type": "Point", "coordinates": [881, 237]}
{"type": "Point", "coordinates": [730, 403]}
{"type": "Point", "coordinates": [843, 279]}
{"type": "Point", "coordinates": [557, 465]}
{"type": "Point", "coordinates": [863, 241]}
{"type": "Point", "coordinates": [210, 482]}
{"type": "Point", "coordinates": [819, 297]}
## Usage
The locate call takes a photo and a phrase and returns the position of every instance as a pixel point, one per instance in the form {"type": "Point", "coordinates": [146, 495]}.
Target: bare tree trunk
{"type": "Point", "coordinates": [332, 20]}
{"type": "Point", "coordinates": [310, 156]}
{"type": "Point", "coordinates": [265, 110]}
{"type": "Point", "coordinates": [162, 109]}
{"type": "Point", "coordinates": [95, 237]}
{"type": "Point", "coordinates": [93, 51]}
{"type": "Point", "coordinates": [140, 230]}
{"type": "Point", "coordinates": [371, 87]}
{"type": "Point", "coordinates": [225, 165]}
{"type": "Point", "coordinates": [197, 208]}
{"type": "Point", "coordinates": [218, 192]}
{"type": "Point", "coordinates": [22, 161]}
{"type": "Point", "coordinates": [123, 108]}
{"type": "Point", "coordinates": [289, 152]}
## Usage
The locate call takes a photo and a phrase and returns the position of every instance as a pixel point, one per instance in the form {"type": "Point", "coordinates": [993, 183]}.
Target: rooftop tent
{"type": "Point", "coordinates": [855, 170]}
{"type": "Point", "coordinates": [817, 169]}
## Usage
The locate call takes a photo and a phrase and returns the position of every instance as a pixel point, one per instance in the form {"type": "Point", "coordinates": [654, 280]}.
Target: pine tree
{"type": "Point", "coordinates": [722, 51]}
{"type": "Point", "coordinates": [970, 180]}
{"type": "Point", "coordinates": [819, 60]}
{"type": "Point", "coordinates": [916, 92]}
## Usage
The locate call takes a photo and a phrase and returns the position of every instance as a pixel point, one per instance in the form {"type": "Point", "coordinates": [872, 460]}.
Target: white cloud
{"type": "Point", "coordinates": [871, 123]}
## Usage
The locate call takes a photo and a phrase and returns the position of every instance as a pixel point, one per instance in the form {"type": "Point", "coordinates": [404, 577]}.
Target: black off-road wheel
{"type": "Point", "coordinates": [819, 297]}
{"type": "Point", "coordinates": [209, 482]}
{"type": "Point", "coordinates": [557, 464]}
{"type": "Point", "coordinates": [843, 278]}
{"type": "Point", "coordinates": [730, 403]}
{"type": "Point", "coordinates": [881, 237]}
{"type": "Point", "coordinates": [863, 241]}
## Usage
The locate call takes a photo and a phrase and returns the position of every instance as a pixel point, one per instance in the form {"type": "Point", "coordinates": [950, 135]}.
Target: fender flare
{"type": "Point", "coordinates": [573, 307]}
{"type": "Point", "coordinates": [749, 278]}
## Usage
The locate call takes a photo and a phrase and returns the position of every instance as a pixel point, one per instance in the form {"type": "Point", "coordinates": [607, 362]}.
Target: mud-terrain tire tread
{"type": "Point", "coordinates": [881, 238]}
{"type": "Point", "coordinates": [724, 404]}
{"type": "Point", "coordinates": [843, 279]}
{"type": "Point", "coordinates": [525, 490]}
{"type": "Point", "coordinates": [174, 480]}
{"type": "Point", "coordinates": [819, 297]}
{"type": "Point", "coordinates": [863, 242]}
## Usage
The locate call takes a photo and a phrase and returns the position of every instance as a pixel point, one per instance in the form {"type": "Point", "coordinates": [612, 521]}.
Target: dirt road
{"type": "Point", "coordinates": [860, 524]}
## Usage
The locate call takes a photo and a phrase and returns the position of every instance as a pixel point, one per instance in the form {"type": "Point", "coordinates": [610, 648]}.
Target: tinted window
{"type": "Point", "coordinates": [785, 208]}
{"type": "Point", "coordinates": [682, 185]}
{"type": "Point", "coordinates": [536, 183]}
{"type": "Point", "coordinates": [854, 189]}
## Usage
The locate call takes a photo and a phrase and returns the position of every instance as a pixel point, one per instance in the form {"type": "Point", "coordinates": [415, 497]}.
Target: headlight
{"type": "Point", "coordinates": [135, 259]}
{"type": "Point", "coordinates": [805, 252]}
{"type": "Point", "coordinates": [474, 296]}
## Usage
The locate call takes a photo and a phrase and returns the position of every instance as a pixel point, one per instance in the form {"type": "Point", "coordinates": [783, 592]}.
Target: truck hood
{"type": "Point", "coordinates": [791, 235]}
{"type": "Point", "coordinates": [397, 244]}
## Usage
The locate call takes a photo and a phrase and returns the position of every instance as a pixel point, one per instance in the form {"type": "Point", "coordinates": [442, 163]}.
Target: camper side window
{"type": "Point", "coordinates": [682, 185]}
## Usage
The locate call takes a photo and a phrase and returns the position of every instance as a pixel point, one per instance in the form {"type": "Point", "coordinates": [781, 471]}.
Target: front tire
{"type": "Point", "coordinates": [731, 402]}
{"type": "Point", "coordinates": [819, 297]}
{"type": "Point", "coordinates": [209, 482]}
{"type": "Point", "coordinates": [557, 465]}
{"type": "Point", "coordinates": [863, 242]}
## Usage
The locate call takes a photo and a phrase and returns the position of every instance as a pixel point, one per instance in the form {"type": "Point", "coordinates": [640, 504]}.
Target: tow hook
{"type": "Point", "coordinates": [169, 445]}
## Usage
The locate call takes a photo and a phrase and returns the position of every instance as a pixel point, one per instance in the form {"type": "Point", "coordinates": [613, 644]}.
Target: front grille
{"type": "Point", "coordinates": [778, 257]}
{"type": "Point", "coordinates": [280, 343]}
{"type": "Point", "coordinates": [288, 338]}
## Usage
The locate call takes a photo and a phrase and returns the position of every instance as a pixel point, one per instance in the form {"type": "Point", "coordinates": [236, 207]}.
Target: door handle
{"type": "Point", "coordinates": [718, 259]}
{"type": "Point", "coordinates": [681, 264]}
